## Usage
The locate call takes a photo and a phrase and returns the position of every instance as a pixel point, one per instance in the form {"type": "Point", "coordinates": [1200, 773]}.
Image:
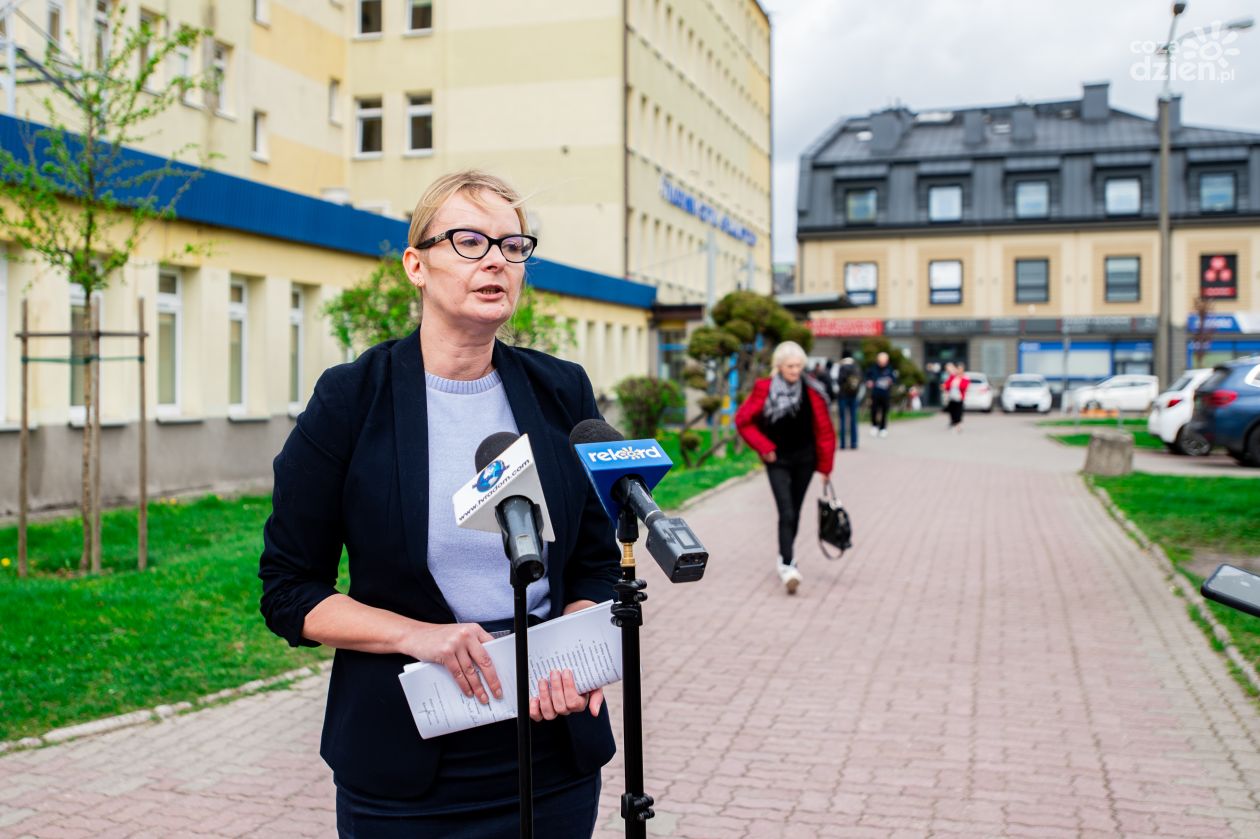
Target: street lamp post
{"type": "Point", "coordinates": [1163, 342]}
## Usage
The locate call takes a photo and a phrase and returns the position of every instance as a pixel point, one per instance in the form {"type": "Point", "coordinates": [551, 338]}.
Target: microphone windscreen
{"type": "Point", "coordinates": [594, 431]}
{"type": "Point", "coordinates": [493, 446]}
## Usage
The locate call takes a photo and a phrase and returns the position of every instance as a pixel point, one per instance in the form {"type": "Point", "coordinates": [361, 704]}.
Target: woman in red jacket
{"type": "Point", "coordinates": [955, 391]}
{"type": "Point", "coordinates": [786, 420]}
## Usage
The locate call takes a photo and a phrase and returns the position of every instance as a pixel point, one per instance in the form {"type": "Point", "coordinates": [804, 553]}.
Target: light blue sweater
{"type": "Point", "coordinates": [469, 565]}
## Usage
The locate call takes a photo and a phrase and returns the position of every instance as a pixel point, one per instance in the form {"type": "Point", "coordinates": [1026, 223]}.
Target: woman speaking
{"type": "Point", "coordinates": [371, 466]}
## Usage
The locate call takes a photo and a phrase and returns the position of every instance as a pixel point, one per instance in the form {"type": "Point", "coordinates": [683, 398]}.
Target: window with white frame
{"type": "Point", "coordinates": [151, 23]}
{"type": "Point", "coordinates": [420, 122]}
{"type": "Point", "coordinates": [183, 70]}
{"type": "Point", "coordinates": [169, 311]}
{"type": "Point", "coordinates": [238, 317]}
{"type": "Point", "coordinates": [419, 15]}
{"type": "Point", "coordinates": [295, 347]}
{"type": "Point", "coordinates": [369, 17]}
{"type": "Point", "coordinates": [945, 203]}
{"type": "Point", "coordinates": [220, 77]}
{"type": "Point", "coordinates": [334, 101]}
{"type": "Point", "coordinates": [861, 283]}
{"type": "Point", "coordinates": [100, 32]}
{"type": "Point", "coordinates": [4, 339]}
{"type": "Point", "coordinates": [371, 134]}
{"type": "Point", "coordinates": [54, 23]}
{"type": "Point", "coordinates": [945, 282]}
{"type": "Point", "coordinates": [80, 348]}
{"type": "Point", "coordinates": [259, 149]}
{"type": "Point", "coordinates": [1122, 196]}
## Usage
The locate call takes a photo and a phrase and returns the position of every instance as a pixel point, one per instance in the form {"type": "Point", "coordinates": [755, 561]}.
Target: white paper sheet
{"type": "Point", "coordinates": [585, 642]}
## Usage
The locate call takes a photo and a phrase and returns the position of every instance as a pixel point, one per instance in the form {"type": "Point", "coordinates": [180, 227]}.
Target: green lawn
{"type": "Point", "coordinates": [1141, 440]}
{"type": "Point", "coordinates": [682, 483]}
{"type": "Point", "coordinates": [1127, 423]}
{"type": "Point", "coordinates": [74, 649]}
{"type": "Point", "coordinates": [1185, 514]}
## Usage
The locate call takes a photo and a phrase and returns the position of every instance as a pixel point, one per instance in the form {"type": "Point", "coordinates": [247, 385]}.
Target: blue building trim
{"type": "Point", "coordinates": [233, 203]}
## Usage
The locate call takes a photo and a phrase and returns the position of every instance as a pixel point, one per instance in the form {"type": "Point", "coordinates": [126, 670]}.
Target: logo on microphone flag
{"type": "Point", "coordinates": [489, 476]}
{"type": "Point", "coordinates": [607, 463]}
{"type": "Point", "coordinates": [512, 473]}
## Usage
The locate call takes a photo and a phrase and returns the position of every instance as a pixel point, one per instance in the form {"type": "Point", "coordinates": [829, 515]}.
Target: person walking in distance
{"type": "Point", "coordinates": [787, 422]}
{"type": "Point", "coordinates": [880, 380]}
{"type": "Point", "coordinates": [849, 387]}
{"type": "Point", "coordinates": [955, 392]}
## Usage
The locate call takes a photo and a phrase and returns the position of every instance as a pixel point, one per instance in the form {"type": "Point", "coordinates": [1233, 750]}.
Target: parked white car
{"type": "Point", "coordinates": [1170, 415]}
{"type": "Point", "coordinates": [1026, 390]}
{"type": "Point", "coordinates": [1126, 392]}
{"type": "Point", "coordinates": [979, 393]}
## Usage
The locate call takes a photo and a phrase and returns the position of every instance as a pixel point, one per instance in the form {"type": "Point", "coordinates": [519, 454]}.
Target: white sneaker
{"type": "Point", "coordinates": [883, 432]}
{"type": "Point", "coordinates": [874, 431]}
{"type": "Point", "coordinates": [790, 577]}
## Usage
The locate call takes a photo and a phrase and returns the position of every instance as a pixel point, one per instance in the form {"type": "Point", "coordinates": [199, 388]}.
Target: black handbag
{"type": "Point", "coordinates": [834, 526]}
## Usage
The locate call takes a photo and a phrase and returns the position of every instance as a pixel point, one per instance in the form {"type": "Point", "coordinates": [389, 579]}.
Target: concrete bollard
{"type": "Point", "coordinates": [1110, 453]}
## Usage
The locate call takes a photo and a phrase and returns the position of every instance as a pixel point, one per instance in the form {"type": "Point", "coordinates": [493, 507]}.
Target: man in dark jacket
{"type": "Point", "coordinates": [848, 395]}
{"type": "Point", "coordinates": [880, 380]}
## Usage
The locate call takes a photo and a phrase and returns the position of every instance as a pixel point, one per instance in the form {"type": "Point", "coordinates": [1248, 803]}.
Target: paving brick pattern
{"type": "Point", "coordinates": [995, 658]}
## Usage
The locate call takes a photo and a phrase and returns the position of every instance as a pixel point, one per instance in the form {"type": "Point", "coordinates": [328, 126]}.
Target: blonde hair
{"type": "Point", "coordinates": [786, 350]}
{"type": "Point", "coordinates": [471, 182]}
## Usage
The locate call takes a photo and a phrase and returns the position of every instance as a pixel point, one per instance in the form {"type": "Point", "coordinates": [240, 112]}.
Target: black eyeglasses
{"type": "Point", "coordinates": [473, 244]}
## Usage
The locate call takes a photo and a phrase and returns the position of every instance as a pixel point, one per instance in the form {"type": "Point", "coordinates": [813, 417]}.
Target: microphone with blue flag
{"type": "Point", "coordinates": [623, 473]}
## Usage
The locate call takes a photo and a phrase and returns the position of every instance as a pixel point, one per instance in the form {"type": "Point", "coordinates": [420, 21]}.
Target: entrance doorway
{"type": "Point", "coordinates": [935, 356]}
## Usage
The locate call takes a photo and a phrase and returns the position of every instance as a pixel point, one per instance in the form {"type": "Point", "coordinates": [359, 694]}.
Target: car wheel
{"type": "Point", "coordinates": [1251, 454]}
{"type": "Point", "coordinates": [1093, 405]}
{"type": "Point", "coordinates": [989, 410]}
{"type": "Point", "coordinates": [1192, 443]}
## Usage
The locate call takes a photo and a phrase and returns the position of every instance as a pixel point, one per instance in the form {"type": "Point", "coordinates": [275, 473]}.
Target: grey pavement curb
{"type": "Point", "coordinates": [158, 712]}
{"type": "Point", "coordinates": [1184, 586]}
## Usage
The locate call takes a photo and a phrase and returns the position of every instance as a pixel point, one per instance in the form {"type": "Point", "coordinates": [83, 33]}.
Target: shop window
{"type": "Point", "coordinates": [1032, 280]}
{"type": "Point", "coordinates": [1123, 279]}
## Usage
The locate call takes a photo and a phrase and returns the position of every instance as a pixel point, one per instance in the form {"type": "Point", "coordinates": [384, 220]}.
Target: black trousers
{"type": "Point", "coordinates": [788, 482]}
{"type": "Point", "coordinates": [879, 409]}
{"type": "Point", "coordinates": [955, 413]}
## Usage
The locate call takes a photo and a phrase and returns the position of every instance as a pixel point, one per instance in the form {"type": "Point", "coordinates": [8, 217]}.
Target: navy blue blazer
{"type": "Point", "coordinates": [355, 471]}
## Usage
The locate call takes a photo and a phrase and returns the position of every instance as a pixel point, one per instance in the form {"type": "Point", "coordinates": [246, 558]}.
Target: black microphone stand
{"type": "Point", "coordinates": [636, 806]}
{"type": "Point", "coordinates": [524, 749]}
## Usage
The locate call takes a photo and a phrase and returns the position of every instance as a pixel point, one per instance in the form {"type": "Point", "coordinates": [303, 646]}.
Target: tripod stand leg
{"type": "Point", "coordinates": [636, 806]}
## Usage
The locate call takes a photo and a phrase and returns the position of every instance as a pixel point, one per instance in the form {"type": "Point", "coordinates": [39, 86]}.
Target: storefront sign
{"type": "Point", "coordinates": [1239, 323]}
{"type": "Point", "coordinates": [1109, 325]}
{"type": "Point", "coordinates": [845, 327]}
{"type": "Point", "coordinates": [1218, 276]}
{"type": "Point", "coordinates": [688, 203]}
{"type": "Point", "coordinates": [898, 327]}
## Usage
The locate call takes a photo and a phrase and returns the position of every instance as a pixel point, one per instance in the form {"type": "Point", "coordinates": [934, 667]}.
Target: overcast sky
{"type": "Point", "coordinates": [835, 58]}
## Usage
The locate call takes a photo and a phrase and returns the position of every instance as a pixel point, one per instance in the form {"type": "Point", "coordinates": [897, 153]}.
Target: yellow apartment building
{"type": "Point", "coordinates": [1023, 237]}
{"type": "Point", "coordinates": [639, 132]}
